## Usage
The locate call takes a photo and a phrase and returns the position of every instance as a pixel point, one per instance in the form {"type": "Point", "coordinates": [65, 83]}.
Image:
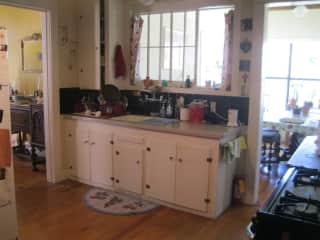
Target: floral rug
{"type": "Point", "coordinates": [109, 202]}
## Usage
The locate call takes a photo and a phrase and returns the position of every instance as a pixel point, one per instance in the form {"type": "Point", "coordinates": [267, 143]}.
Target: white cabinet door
{"type": "Point", "coordinates": [160, 169]}
{"type": "Point", "coordinates": [69, 142]}
{"type": "Point", "coordinates": [100, 154]}
{"type": "Point", "coordinates": [128, 160]}
{"type": "Point", "coordinates": [192, 176]}
{"type": "Point", "coordinates": [88, 42]}
{"type": "Point", "coordinates": [81, 168]}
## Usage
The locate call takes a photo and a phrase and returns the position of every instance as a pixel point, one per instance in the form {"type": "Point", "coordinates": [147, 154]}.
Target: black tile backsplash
{"type": "Point", "coordinates": [70, 96]}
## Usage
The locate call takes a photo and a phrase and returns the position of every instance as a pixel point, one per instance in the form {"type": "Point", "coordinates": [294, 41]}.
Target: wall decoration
{"type": "Point", "coordinates": [246, 24]}
{"type": "Point", "coordinates": [244, 66]}
{"type": "Point", "coordinates": [245, 46]}
{"type": "Point", "coordinates": [31, 53]}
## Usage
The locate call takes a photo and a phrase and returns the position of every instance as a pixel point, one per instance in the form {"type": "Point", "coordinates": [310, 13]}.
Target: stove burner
{"type": "Point", "coordinates": [307, 177]}
{"type": "Point", "coordinates": [296, 206]}
{"type": "Point", "coordinates": [306, 210]}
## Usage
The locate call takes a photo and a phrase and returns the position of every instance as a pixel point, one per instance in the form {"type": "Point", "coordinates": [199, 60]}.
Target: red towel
{"type": "Point", "coordinates": [119, 63]}
{"type": "Point", "coordinates": [5, 148]}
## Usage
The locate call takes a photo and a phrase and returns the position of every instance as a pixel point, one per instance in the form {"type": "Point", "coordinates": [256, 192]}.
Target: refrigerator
{"type": "Point", "coordinates": [8, 216]}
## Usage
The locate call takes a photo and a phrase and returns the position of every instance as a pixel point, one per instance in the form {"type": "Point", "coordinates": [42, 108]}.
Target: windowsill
{"type": "Point", "coordinates": [194, 90]}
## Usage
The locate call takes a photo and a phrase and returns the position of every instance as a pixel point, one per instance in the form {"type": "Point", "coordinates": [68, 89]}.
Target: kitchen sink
{"type": "Point", "coordinates": [132, 118]}
{"type": "Point", "coordinates": [145, 119]}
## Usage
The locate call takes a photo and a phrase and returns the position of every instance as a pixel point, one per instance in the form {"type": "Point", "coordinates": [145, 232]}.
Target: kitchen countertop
{"type": "Point", "coordinates": [305, 155]}
{"type": "Point", "coordinates": [203, 130]}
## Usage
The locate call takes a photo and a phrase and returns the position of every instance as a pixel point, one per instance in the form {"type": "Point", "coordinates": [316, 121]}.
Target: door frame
{"type": "Point", "coordinates": [50, 81]}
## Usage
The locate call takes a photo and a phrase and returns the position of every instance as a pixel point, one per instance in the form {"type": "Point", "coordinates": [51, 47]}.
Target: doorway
{"type": "Point", "coordinates": [290, 80]}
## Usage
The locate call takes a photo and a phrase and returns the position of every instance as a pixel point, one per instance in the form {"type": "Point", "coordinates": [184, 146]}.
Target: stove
{"type": "Point", "coordinates": [293, 210]}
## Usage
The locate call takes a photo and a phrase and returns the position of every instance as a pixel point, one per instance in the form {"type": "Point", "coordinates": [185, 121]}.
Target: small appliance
{"type": "Point", "coordinates": [232, 118]}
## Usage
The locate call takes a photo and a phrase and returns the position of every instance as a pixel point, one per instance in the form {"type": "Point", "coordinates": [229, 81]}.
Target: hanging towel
{"type": "Point", "coordinates": [119, 63]}
{"type": "Point", "coordinates": [5, 148]}
{"type": "Point", "coordinates": [232, 149]}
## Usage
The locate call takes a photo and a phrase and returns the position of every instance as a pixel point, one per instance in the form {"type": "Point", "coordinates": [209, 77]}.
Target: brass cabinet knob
{"type": "Point", "coordinates": [148, 149]}
{"type": "Point", "coordinates": [117, 153]}
{"type": "Point", "coordinates": [93, 143]}
{"type": "Point", "coordinates": [85, 141]}
{"type": "Point", "coordinates": [111, 142]}
{"type": "Point", "coordinates": [171, 158]}
{"type": "Point", "coordinates": [148, 186]}
{"type": "Point", "coordinates": [117, 181]}
{"type": "Point", "coordinates": [138, 162]}
{"type": "Point", "coordinates": [180, 160]}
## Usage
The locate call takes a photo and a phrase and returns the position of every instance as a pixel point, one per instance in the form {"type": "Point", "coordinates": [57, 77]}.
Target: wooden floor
{"type": "Point", "coordinates": [56, 212]}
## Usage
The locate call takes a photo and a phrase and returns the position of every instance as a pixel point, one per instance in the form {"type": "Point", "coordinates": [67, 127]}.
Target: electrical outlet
{"type": "Point", "coordinates": [213, 106]}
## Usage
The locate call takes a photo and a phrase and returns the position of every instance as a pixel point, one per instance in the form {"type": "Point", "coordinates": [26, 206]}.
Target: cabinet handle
{"type": "Point", "coordinates": [70, 167]}
{"type": "Point", "coordinates": [86, 141]}
{"type": "Point", "coordinates": [180, 160]}
{"type": "Point", "coordinates": [93, 143]}
{"type": "Point", "coordinates": [117, 153]}
{"type": "Point", "coordinates": [69, 135]}
{"type": "Point", "coordinates": [117, 181]}
{"type": "Point", "coordinates": [111, 142]}
{"type": "Point", "coordinates": [81, 69]}
{"type": "Point", "coordinates": [148, 186]}
{"type": "Point", "coordinates": [171, 158]}
{"type": "Point", "coordinates": [112, 179]}
{"type": "Point", "coordinates": [148, 149]}
{"type": "Point", "coordinates": [138, 162]}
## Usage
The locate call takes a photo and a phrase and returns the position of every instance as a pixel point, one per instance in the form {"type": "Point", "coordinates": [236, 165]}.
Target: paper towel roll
{"type": "Point", "coordinates": [184, 114]}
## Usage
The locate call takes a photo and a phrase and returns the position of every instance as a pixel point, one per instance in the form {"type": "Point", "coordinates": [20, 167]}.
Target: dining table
{"type": "Point", "coordinates": [287, 123]}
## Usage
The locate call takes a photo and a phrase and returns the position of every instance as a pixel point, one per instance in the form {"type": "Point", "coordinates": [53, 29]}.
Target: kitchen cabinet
{"type": "Point", "coordinates": [88, 152]}
{"type": "Point", "coordinates": [160, 168]}
{"type": "Point", "coordinates": [192, 176]}
{"type": "Point", "coordinates": [128, 161]}
{"type": "Point", "coordinates": [177, 172]}
{"type": "Point", "coordinates": [182, 172]}
{"type": "Point", "coordinates": [81, 163]}
{"type": "Point", "coordinates": [100, 140]}
{"type": "Point", "coordinates": [88, 31]}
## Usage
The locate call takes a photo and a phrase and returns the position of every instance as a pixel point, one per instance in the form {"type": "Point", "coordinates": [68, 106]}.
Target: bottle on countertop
{"type": "Point", "coordinates": [188, 83]}
{"type": "Point", "coordinates": [169, 109]}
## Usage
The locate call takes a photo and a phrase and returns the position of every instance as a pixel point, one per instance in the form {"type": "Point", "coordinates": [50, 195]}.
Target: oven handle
{"type": "Point", "coordinates": [250, 234]}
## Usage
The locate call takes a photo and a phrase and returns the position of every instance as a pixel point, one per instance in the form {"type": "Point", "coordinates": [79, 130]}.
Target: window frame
{"type": "Point", "coordinates": [288, 78]}
{"type": "Point", "coordinates": [177, 83]}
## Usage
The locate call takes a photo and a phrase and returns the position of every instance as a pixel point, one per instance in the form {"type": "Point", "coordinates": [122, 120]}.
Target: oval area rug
{"type": "Point", "coordinates": [109, 202]}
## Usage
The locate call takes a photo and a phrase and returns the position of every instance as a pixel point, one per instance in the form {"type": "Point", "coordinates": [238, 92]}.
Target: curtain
{"type": "Point", "coordinates": [136, 30]}
{"type": "Point", "coordinates": [227, 51]}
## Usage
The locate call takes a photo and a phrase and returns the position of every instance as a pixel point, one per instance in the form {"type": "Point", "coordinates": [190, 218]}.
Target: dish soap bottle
{"type": "Point", "coordinates": [188, 82]}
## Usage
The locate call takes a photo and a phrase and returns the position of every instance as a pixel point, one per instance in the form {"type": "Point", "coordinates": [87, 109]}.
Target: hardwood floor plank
{"type": "Point", "coordinates": [57, 212]}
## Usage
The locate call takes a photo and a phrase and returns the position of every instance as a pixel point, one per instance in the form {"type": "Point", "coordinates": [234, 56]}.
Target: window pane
{"type": "Point", "coordinates": [142, 64]}
{"type": "Point", "coordinates": [276, 58]}
{"type": "Point", "coordinates": [166, 30]}
{"type": "Point", "coordinates": [177, 63]}
{"type": "Point", "coordinates": [191, 28]}
{"type": "Point", "coordinates": [306, 60]}
{"type": "Point", "coordinates": [210, 45]}
{"type": "Point", "coordinates": [305, 91]}
{"type": "Point", "coordinates": [154, 30]}
{"type": "Point", "coordinates": [178, 29]}
{"type": "Point", "coordinates": [165, 63]}
{"type": "Point", "coordinates": [154, 63]}
{"type": "Point", "coordinates": [274, 95]}
{"type": "Point", "coordinates": [144, 34]}
{"type": "Point", "coordinates": [189, 59]}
